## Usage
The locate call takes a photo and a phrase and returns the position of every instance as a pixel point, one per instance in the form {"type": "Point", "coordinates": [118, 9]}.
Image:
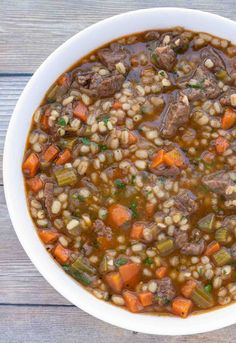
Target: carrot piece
{"type": "Point", "coordinates": [61, 254]}
{"type": "Point", "coordinates": [132, 138]}
{"type": "Point", "coordinates": [229, 119]}
{"type": "Point", "coordinates": [158, 159]}
{"type": "Point", "coordinates": [118, 214]}
{"type": "Point", "coordinates": [65, 157]}
{"type": "Point", "coordinates": [221, 144]}
{"type": "Point", "coordinates": [181, 306]}
{"type": "Point", "coordinates": [105, 243]}
{"type": "Point", "coordinates": [146, 298]}
{"type": "Point", "coordinates": [212, 248]}
{"type": "Point", "coordinates": [173, 158]}
{"type": "Point", "coordinates": [117, 105]}
{"type": "Point", "coordinates": [114, 281]}
{"type": "Point", "coordinates": [188, 287]}
{"type": "Point", "coordinates": [63, 80]}
{"type": "Point", "coordinates": [81, 111]}
{"type": "Point", "coordinates": [161, 272]}
{"type": "Point", "coordinates": [150, 208]}
{"type": "Point", "coordinates": [44, 122]}
{"type": "Point", "coordinates": [48, 236]}
{"type": "Point", "coordinates": [130, 273]}
{"type": "Point", "coordinates": [35, 184]}
{"type": "Point", "coordinates": [31, 165]}
{"type": "Point", "coordinates": [50, 153]}
{"type": "Point", "coordinates": [132, 302]}
{"type": "Point", "coordinates": [136, 231]}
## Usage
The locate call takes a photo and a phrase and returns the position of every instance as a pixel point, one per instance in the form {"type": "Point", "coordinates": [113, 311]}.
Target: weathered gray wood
{"type": "Point", "coordinates": [69, 324]}
{"type": "Point", "coordinates": [30, 30]}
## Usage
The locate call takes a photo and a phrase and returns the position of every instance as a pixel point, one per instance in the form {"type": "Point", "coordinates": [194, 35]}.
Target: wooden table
{"type": "Point", "coordinates": [30, 309]}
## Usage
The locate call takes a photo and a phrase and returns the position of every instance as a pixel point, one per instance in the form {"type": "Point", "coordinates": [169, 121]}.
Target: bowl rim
{"type": "Point", "coordinates": [13, 178]}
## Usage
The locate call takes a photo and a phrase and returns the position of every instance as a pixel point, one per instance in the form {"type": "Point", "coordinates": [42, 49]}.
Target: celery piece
{"type": "Point", "coordinates": [202, 298]}
{"type": "Point", "coordinates": [80, 276]}
{"type": "Point", "coordinates": [221, 257]}
{"type": "Point", "coordinates": [65, 177]}
{"type": "Point", "coordinates": [165, 247]}
{"type": "Point", "coordinates": [67, 142]}
{"type": "Point", "coordinates": [81, 265]}
{"type": "Point", "coordinates": [222, 234]}
{"type": "Point", "coordinates": [206, 223]}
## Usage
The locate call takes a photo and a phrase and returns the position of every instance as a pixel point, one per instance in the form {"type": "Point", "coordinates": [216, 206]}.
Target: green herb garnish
{"type": "Point", "coordinates": [61, 121]}
{"type": "Point", "coordinates": [105, 120]}
{"type": "Point", "coordinates": [119, 184]}
{"type": "Point", "coordinates": [80, 198]}
{"type": "Point", "coordinates": [132, 181]}
{"type": "Point", "coordinates": [85, 141]}
{"type": "Point", "coordinates": [103, 147]}
{"type": "Point", "coordinates": [120, 261]}
{"type": "Point", "coordinates": [133, 208]}
{"type": "Point", "coordinates": [208, 288]}
{"type": "Point", "coordinates": [148, 261]}
{"type": "Point", "coordinates": [199, 85]}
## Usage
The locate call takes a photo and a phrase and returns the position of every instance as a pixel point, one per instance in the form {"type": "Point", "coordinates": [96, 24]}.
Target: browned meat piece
{"type": "Point", "coordinates": [230, 222]}
{"type": "Point", "coordinates": [102, 230]}
{"type": "Point", "coordinates": [186, 202]}
{"type": "Point", "coordinates": [111, 56]}
{"type": "Point", "coordinates": [225, 98]}
{"type": "Point", "coordinates": [210, 53]}
{"type": "Point", "coordinates": [205, 85]}
{"type": "Point", "coordinates": [166, 171]}
{"type": "Point", "coordinates": [233, 251]}
{"type": "Point", "coordinates": [84, 77]}
{"type": "Point", "coordinates": [220, 183]}
{"type": "Point", "coordinates": [164, 57]}
{"type": "Point", "coordinates": [85, 181]}
{"type": "Point", "coordinates": [48, 196]}
{"type": "Point", "coordinates": [180, 237]}
{"type": "Point", "coordinates": [152, 35]}
{"type": "Point", "coordinates": [165, 291]}
{"type": "Point", "coordinates": [176, 115]}
{"type": "Point", "coordinates": [193, 248]}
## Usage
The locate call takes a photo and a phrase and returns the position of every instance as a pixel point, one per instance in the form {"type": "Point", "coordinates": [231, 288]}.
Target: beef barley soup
{"type": "Point", "coordinates": [130, 172]}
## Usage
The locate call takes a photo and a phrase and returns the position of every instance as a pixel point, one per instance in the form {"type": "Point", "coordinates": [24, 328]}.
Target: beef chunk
{"type": "Point", "coordinates": [176, 115]}
{"type": "Point", "coordinates": [164, 57]}
{"type": "Point", "coordinates": [165, 291]}
{"type": "Point", "coordinates": [99, 86]}
{"type": "Point", "coordinates": [220, 183]}
{"type": "Point", "coordinates": [84, 77]}
{"type": "Point", "coordinates": [212, 54]}
{"type": "Point", "coordinates": [186, 202]}
{"type": "Point", "coordinates": [230, 222]}
{"type": "Point", "coordinates": [111, 56]}
{"type": "Point", "coordinates": [152, 35]}
{"type": "Point", "coordinates": [205, 86]}
{"type": "Point", "coordinates": [166, 171]}
{"type": "Point", "coordinates": [193, 248]}
{"type": "Point", "coordinates": [48, 195]}
{"type": "Point", "coordinates": [180, 237]}
{"type": "Point", "coordinates": [102, 230]}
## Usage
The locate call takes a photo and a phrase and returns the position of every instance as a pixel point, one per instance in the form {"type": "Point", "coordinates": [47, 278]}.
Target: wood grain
{"type": "Point", "coordinates": [30, 30]}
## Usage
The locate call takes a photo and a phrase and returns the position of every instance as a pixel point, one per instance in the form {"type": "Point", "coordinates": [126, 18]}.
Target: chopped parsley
{"type": "Point", "coordinates": [120, 261]}
{"type": "Point", "coordinates": [85, 141]}
{"type": "Point", "coordinates": [199, 85]}
{"type": "Point", "coordinates": [148, 261]}
{"type": "Point", "coordinates": [162, 73]}
{"type": "Point", "coordinates": [132, 181]}
{"type": "Point", "coordinates": [119, 184]}
{"type": "Point", "coordinates": [61, 121]}
{"type": "Point", "coordinates": [80, 198]}
{"type": "Point", "coordinates": [105, 120]}
{"type": "Point", "coordinates": [133, 208]}
{"type": "Point", "coordinates": [103, 147]}
{"type": "Point", "coordinates": [208, 288]}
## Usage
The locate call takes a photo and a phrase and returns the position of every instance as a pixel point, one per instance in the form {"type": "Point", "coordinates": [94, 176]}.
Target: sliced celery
{"type": "Point", "coordinates": [221, 257]}
{"type": "Point", "coordinates": [67, 142]}
{"type": "Point", "coordinates": [222, 235]}
{"type": "Point", "coordinates": [165, 247]}
{"type": "Point", "coordinates": [65, 177]}
{"type": "Point", "coordinates": [202, 298]}
{"type": "Point", "coordinates": [206, 223]}
{"type": "Point", "coordinates": [81, 265]}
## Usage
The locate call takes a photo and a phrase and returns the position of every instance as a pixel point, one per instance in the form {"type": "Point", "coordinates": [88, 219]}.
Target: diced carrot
{"type": "Point", "coordinates": [146, 298]}
{"type": "Point", "coordinates": [158, 159]}
{"type": "Point", "coordinates": [213, 247]}
{"type": "Point", "coordinates": [229, 119]}
{"type": "Point", "coordinates": [150, 209]}
{"type": "Point", "coordinates": [174, 158]}
{"type": "Point", "coordinates": [50, 153]}
{"type": "Point", "coordinates": [136, 230]}
{"type": "Point", "coordinates": [118, 215]}
{"type": "Point", "coordinates": [221, 144]}
{"type": "Point", "coordinates": [132, 302]}
{"type": "Point", "coordinates": [130, 273]}
{"type": "Point", "coordinates": [35, 184]}
{"type": "Point", "coordinates": [44, 122]}
{"type": "Point", "coordinates": [105, 243]}
{"type": "Point", "coordinates": [48, 236]}
{"type": "Point", "coordinates": [188, 287]}
{"type": "Point", "coordinates": [31, 165]}
{"type": "Point", "coordinates": [64, 157]}
{"type": "Point", "coordinates": [63, 80]}
{"type": "Point", "coordinates": [161, 272]}
{"type": "Point", "coordinates": [81, 111]}
{"type": "Point", "coordinates": [117, 105]}
{"type": "Point", "coordinates": [114, 281]}
{"type": "Point", "coordinates": [132, 138]}
{"type": "Point", "coordinates": [61, 254]}
{"type": "Point", "coordinates": [181, 306]}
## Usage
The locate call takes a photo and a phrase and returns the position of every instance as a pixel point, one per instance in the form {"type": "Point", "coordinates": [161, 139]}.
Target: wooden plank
{"type": "Point", "coordinates": [31, 30]}
{"type": "Point", "coordinates": [20, 282]}
{"type": "Point", "coordinates": [44, 324]}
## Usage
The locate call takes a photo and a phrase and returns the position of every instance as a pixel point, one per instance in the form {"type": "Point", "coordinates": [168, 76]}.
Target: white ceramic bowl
{"type": "Point", "coordinates": [68, 53]}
